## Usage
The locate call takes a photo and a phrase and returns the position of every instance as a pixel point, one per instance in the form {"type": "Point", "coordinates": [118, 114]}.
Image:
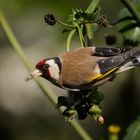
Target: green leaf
{"type": "Point", "coordinates": [126, 18]}
{"type": "Point", "coordinates": [133, 131]}
{"type": "Point", "coordinates": [133, 34]}
{"type": "Point", "coordinates": [93, 5]}
{"type": "Point", "coordinates": [127, 25]}
{"type": "Point", "coordinates": [128, 28]}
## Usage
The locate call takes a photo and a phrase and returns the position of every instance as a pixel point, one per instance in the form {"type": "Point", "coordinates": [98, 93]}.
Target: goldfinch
{"type": "Point", "coordinates": [86, 68]}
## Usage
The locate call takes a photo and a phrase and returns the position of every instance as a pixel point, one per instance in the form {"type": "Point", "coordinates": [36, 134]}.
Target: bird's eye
{"type": "Point", "coordinates": [45, 66]}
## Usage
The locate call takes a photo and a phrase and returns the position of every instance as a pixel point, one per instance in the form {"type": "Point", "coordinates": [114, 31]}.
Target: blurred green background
{"type": "Point", "coordinates": [25, 113]}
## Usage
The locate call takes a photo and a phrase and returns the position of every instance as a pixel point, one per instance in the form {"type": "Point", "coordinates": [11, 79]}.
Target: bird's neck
{"type": "Point", "coordinates": [55, 68]}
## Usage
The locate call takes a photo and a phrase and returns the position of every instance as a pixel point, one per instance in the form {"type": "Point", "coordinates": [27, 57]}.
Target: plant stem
{"type": "Point", "coordinates": [19, 51]}
{"type": "Point", "coordinates": [65, 24]}
{"type": "Point", "coordinates": [132, 10]}
{"type": "Point", "coordinates": [69, 39]}
{"type": "Point", "coordinates": [80, 35]}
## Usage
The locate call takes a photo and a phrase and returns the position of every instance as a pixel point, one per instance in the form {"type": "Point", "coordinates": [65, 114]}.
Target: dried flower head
{"type": "Point", "coordinates": [50, 19]}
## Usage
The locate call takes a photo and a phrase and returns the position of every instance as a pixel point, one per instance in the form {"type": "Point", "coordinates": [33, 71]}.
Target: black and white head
{"type": "Point", "coordinates": [48, 68]}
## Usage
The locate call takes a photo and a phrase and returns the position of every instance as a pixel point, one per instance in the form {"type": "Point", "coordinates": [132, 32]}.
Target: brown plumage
{"type": "Point", "coordinates": [86, 68]}
{"type": "Point", "coordinates": [78, 66]}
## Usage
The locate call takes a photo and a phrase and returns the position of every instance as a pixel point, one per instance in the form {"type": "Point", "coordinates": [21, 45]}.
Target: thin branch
{"type": "Point", "coordinates": [80, 34]}
{"type": "Point", "coordinates": [19, 51]}
{"type": "Point", "coordinates": [132, 10]}
{"type": "Point", "coordinates": [72, 32]}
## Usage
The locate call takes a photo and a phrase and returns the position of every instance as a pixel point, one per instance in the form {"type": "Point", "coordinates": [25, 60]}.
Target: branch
{"type": "Point", "coordinates": [132, 10]}
{"type": "Point", "coordinates": [48, 93]}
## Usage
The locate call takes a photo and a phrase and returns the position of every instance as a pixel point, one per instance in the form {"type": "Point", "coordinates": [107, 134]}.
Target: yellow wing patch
{"type": "Point", "coordinates": [94, 78]}
{"type": "Point", "coordinates": [99, 76]}
{"type": "Point", "coordinates": [107, 73]}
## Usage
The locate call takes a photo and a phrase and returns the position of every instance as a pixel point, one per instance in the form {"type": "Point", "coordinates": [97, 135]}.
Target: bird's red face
{"type": "Point", "coordinates": [43, 68]}
{"type": "Point", "coordinates": [47, 68]}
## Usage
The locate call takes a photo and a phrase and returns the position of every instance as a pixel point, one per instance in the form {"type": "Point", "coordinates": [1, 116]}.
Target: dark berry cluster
{"type": "Point", "coordinates": [50, 19]}
{"type": "Point", "coordinates": [83, 103]}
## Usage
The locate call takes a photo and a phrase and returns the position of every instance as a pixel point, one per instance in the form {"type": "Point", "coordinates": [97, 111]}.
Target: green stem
{"type": "Point", "coordinates": [81, 131]}
{"type": "Point", "coordinates": [69, 39]}
{"type": "Point", "coordinates": [132, 10]}
{"type": "Point", "coordinates": [19, 51]}
{"type": "Point", "coordinates": [80, 35]}
{"type": "Point", "coordinates": [65, 24]}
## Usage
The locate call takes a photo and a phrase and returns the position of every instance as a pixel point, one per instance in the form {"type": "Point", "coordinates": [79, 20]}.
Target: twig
{"type": "Point", "coordinates": [19, 51]}
{"type": "Point", "coordinates": [69, 39]}
{"type": "Point", "coordinates": [80, 34]}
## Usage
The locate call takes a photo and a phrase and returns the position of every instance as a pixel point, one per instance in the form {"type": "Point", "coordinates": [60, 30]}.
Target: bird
{"type": "Point", "coordinates": [86, 68]}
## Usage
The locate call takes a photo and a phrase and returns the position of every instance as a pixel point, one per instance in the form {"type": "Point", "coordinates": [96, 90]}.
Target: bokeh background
{"type": "Point", "coordinates": [25, 113]}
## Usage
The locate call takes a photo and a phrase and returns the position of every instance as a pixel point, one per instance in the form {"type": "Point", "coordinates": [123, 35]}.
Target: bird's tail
{"type": "Point", "coordinates": [132, 58]}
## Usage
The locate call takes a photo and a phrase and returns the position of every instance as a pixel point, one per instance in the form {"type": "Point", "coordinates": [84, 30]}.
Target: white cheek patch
{"type": "Point", "coordinates": [53, 69]}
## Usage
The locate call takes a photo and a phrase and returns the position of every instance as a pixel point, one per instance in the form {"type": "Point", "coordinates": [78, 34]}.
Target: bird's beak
{"type": "Point", "coordinates": [34, 74]}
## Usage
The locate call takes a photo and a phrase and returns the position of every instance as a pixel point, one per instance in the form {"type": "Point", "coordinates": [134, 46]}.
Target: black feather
{"type": "Point", "coordinates": [108, 64]}
{"type": "Point", "coordinates": [108, 52]}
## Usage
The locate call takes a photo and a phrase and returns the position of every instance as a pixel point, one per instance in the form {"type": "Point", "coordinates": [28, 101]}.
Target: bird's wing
{"type": "Point", "coordinates": [107, 66]}
{"type": "Point", "coordinates": [108, 52]}
{"type": "Point", "coordinates": [82, 66]}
